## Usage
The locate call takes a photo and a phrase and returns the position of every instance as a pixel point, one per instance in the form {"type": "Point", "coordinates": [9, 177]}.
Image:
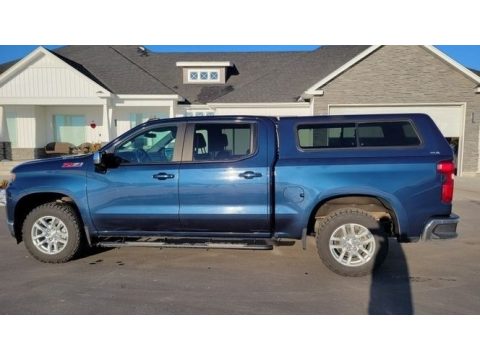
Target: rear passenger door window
{"type": "Point", "coordinates": [222, 142]}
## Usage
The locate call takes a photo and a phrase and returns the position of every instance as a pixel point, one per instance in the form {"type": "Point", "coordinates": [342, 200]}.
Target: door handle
{"type": "Point", "coordinates": [249, 175]}
{"type": "Point", "coordinates": [163, 176]}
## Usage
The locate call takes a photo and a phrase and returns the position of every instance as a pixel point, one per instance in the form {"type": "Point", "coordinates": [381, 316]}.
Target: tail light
{"type": "Point", "coordinates": [446, 169]}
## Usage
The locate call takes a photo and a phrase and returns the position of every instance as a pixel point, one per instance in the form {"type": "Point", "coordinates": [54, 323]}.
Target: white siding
{"type": "Point", "coordinates": [26, 124]}
{"type": "Point", "coordinates": [48, 77]}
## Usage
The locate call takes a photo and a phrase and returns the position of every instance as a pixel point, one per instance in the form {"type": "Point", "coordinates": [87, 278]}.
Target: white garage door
{"type": "Point", "coordinates": [449, 118]}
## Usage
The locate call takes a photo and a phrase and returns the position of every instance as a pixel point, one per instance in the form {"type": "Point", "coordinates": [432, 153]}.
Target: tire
{"type": "Point", "coordinates": [351, 242]}
{"type": "Point", "coordinates": [52, 233]}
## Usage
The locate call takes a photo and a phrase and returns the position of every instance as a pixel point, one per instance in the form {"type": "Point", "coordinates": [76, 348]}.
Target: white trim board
{"type": "Point", "coordinates": [295, 105]}
{"type": "Point", "coordinates": [204, 63]}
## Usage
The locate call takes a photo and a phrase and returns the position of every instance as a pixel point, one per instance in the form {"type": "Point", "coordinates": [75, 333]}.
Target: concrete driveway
{"type": "Point", "coordinates": [433, 278]}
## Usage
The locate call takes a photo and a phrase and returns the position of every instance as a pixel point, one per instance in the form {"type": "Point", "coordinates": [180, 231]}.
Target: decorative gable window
{"type": "Point", "coordinates": [203, 75]}
{"type": "Point", "coordinates": [204, 72]}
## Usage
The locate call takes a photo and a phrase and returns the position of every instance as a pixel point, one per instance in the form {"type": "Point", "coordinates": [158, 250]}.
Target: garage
{"type": "Point", "coordinates": [450, 118]}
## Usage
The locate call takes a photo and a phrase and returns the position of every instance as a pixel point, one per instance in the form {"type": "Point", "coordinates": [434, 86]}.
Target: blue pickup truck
{"type": "Point", "coordinates": [244, 182]}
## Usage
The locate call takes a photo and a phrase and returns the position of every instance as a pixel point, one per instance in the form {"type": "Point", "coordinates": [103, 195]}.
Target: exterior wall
{"type": "Point", "coordinates": [48, 77]}
{"type": "Point", "coordinates": [408, 74]}
{"type": "Point", "coordinates": [26, 125]}
{"type": "Point", "coordinates": [29, 131]}
{"type": "Point", "coordinates": [265, 110]}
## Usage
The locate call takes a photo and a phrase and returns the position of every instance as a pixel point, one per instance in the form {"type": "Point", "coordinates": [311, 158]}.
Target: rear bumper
{"type": "Point", "coordinates": [439, 228]}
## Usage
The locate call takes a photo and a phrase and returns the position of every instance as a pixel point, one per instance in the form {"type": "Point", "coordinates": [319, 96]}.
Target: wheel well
{"type": "Point", "coordinates": [29, 202]}
{"type": "Point", "coordinates": [378, 208]}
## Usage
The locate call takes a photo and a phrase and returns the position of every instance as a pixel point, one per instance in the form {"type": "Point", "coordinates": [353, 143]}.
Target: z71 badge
{"type": "Point", "coordinates": [72, 164]}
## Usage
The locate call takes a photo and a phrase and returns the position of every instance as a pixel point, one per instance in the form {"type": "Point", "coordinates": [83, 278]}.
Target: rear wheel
{"type": "Point", "coordinates": [351, 242]}
{"type": "Point", "coordinates": [52, 233]}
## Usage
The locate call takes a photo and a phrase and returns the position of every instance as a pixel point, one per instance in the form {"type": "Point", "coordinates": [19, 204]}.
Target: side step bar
{"type": "Point", "coordinates": [250, 245]}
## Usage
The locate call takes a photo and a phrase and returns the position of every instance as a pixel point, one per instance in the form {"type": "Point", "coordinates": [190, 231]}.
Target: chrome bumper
{"type": "Point", "coordinates": [440, 228]}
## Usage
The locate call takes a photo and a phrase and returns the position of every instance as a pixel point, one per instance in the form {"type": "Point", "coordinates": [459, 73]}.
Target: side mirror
{"type": "Point", "coordinates": [97, 158]}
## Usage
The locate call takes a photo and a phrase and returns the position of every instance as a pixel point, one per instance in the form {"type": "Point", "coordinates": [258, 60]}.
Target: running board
{"type": "Point", "coordinates": [251, 245]}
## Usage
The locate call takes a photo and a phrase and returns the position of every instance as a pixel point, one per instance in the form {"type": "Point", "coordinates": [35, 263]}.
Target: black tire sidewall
{"type": "Point", "coordinates": [66, 214]}
{"type": "Point", "coordinates": [355, 216]}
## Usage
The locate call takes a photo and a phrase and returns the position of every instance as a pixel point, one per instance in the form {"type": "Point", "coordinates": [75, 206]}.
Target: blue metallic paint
{"type": "Point", "coordinates": [208, 199]}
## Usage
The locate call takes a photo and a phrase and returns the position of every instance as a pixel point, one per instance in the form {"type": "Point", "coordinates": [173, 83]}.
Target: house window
{"type": "Point", "coordinates": [139, 118]}
{"type": "Point", "coordinates": [135, 119]}
{"type": "Point", "coordinates": [199, 113]}
{"type": "Point", "coordinates": [12, 129]}
{"type": "Point", "coordinates": [69, 128]}
{"type": "Point", "coordinates": [203, 75]}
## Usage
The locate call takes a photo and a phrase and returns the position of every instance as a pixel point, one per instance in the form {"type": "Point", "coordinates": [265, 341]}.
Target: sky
{"type": "Point", "coordinates": [467, 55]}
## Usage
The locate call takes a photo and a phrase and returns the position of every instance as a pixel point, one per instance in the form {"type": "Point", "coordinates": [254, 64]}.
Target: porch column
{"type": "Point", "coordinates": [108, 126]}
{"type": "Point", "coordinates": [2, 130]}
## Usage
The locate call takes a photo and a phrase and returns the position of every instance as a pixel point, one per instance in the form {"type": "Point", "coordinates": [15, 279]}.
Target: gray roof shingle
{"type": "Point", "coordinates": [256, 77]}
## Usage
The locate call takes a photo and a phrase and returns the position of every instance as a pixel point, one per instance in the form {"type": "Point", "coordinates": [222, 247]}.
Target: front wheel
{"type": "Point", "coordinates": [52, 233]}
{"type": "Point", "coordinates": [351, 242]}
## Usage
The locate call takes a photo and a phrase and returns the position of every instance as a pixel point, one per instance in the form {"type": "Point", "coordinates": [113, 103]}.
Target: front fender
{"type": "Point", "coordinates": [70, 183]}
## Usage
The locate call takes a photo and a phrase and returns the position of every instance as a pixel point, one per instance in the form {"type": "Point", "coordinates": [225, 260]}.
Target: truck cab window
{"type": "Point", "coordinates": [222, 142]}
{"type": "Point", "coordinates": [152, 146]}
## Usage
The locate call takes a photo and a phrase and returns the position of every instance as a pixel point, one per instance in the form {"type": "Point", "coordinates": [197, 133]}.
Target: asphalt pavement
{"type": "Point", "coordinates": [421, 278]}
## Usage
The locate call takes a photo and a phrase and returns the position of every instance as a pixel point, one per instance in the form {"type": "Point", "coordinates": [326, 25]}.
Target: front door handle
{"type": "Point", "coordinates": [249, 175]}
{"type": "Point", "coordinates": [163, 176]}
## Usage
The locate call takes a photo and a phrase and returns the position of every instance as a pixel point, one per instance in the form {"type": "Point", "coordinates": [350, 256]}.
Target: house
{"type": "Point", "coordinates": [82, 94]}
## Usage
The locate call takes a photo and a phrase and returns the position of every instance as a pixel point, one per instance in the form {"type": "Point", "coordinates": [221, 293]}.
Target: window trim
{"type": "Point", "coordinates": [187, 157]}
{"type": "Point", "coordinates": [358, 147]}
{"type": "Point", "coordinates": [177, 153]}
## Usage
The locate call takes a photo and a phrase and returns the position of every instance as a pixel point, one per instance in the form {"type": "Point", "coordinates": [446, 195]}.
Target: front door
{"type": "Point", "coordinates": [140, 195]}
{"type": "Point", "coordinates": [224, 180]}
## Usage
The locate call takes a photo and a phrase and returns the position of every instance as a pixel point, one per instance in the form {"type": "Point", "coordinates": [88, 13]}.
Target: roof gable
{"type": "Point", "coordinates": [26, 79]}
{"type": "Point", "coordinates": [316, 88]}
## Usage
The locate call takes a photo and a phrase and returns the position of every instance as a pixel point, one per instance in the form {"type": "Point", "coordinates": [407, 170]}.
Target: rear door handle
{"type": "Point", "coordinates": [250, 174]}
{"type": "Point", "coordinates": [163, 176]}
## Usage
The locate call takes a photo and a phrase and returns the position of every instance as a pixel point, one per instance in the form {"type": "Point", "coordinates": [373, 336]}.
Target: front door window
{"type": "Point", "coordinates": [152, 146]}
